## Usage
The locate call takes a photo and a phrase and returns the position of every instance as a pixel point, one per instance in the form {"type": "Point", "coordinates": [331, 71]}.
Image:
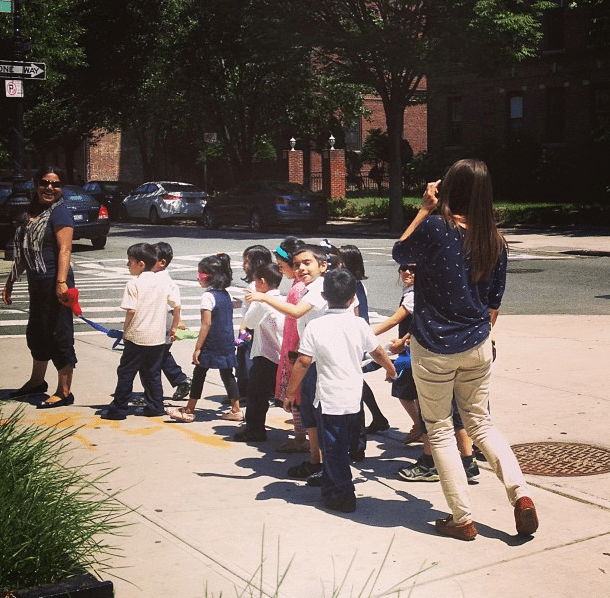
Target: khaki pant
{"type": "Point", "coordinates": [437, 377]}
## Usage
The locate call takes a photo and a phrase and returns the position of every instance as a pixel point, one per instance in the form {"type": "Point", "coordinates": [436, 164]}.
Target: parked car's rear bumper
{"type": "Point", "coordinates": [92, 230]}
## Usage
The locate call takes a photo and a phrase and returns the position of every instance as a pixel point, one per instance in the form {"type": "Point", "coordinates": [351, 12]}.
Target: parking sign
{"type": "Point", "coordinates": [14, 88]}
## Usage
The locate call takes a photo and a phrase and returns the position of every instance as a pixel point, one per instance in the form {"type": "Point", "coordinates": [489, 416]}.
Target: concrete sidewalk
{"type": "Point", "coordinates": [207, 511]}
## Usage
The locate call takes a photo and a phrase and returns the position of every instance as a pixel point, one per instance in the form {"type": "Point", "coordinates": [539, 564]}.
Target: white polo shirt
{"type": "Point", "coordinates": [337, 341]}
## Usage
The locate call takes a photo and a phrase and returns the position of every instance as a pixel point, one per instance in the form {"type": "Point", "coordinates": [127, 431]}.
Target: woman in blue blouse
{"type": "Point", "coordinates": [461, 272]}
{"type": "Point", "coordinates": [43, 247]}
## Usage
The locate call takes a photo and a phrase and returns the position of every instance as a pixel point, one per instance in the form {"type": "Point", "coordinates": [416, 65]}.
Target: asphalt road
{"type": "Point", "coordinates": [548, 284]}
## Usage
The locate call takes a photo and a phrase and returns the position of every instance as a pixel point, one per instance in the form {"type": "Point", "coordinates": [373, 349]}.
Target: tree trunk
{"type": "Point", "coordinates": [394, 111]}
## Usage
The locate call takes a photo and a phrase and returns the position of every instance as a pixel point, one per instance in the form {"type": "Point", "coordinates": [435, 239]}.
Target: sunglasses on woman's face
{"type": "Point", "coordinates": [46, 183]}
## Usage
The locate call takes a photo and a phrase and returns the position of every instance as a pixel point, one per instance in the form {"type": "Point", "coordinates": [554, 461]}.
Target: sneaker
{"type": "Point", "coordinates": [418, 472]}
{"type": "Point", "coordinates": [148, 412]}
{"type": "Point", "coordinates": [182, 391]}
{"type": "Point", "coordinates": [346, 503]}
{"type": "Point", "coordinates": [315, 479]}
{"type": "Point", "coordinates": [472, 472]}
{"type": "Point", "coordinates": [137, 401]}
{"type": "Point", "coordinates": [250, 436]}
{"type": "Point", "coordinates": [304, 469]}
{"type": "Point", "coordinates": [377, 426]}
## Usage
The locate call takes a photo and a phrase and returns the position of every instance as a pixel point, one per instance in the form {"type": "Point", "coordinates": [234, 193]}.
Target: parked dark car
{"type": "Point", "coordinates": [110, 194]}
{"type": "Point", "coordinates": [164, 200]}
{"type": "Point", "coordinates": [11, 207]}
{"type": "Point", "coordinates": [265, 204]}
{"type": "Point", "coordinates": [90, 218]}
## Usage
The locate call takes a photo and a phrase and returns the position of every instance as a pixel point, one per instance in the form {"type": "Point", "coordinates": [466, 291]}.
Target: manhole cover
{"type": "Point", "coordinates": [562, 458]}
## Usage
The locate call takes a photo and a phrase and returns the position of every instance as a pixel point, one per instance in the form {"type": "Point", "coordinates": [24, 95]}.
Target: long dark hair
{"type": "Point", "coordinates": [466, 191]}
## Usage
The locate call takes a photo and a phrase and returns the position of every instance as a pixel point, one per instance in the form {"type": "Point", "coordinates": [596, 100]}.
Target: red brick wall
{"type": "Point", "coordinates": [333, 173]}
{"type": "Point", "coordinates": [294, 164]}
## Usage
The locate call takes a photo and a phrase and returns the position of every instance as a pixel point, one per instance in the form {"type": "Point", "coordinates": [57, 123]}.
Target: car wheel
{"type": "Point", "coordinates": [256, 221]}
{"type": "Point", "coordinates": [123, 214]}
{"type": "Point", "coordinates": [99, 242]}
{"type": "Point", "coordinates": [208, 220]}
{"type": "Point", "coordinates": [153, 216]}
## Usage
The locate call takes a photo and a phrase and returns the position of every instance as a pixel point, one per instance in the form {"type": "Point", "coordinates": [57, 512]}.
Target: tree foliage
{"type": "Point", "coordinates": [390, 45]}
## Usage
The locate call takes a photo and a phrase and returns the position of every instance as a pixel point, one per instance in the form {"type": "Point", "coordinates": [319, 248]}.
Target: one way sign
{"type": "Point", "coordinates": [22, 70]}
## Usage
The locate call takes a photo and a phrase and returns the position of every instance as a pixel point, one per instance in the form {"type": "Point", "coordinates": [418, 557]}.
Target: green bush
{"type": "Point", "coordinates": [51, 512]}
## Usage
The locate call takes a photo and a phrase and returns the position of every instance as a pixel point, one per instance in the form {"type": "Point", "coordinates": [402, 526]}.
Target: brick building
{"type": "Point", "coordinates": [536, 123]}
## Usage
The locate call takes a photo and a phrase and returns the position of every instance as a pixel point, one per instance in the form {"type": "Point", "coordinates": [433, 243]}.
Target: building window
{"type": "Point", "coordinates": [454, 125]}
{"type": "Point", "coordinates": [353, 136]}
{"type": "Point", "coordinates": [515, 116]}
{"type": "Point", "coordinates": [555, 115]}
{"type": "Point", "coordinates": [553, 28]}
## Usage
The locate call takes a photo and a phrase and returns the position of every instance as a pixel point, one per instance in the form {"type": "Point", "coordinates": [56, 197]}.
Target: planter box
{"type": "Point", "coordinates": [82, 586]}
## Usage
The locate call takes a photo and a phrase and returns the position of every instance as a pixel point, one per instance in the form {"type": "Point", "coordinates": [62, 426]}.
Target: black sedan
{"type": "Point", "coordinates": [110, 194]}
{"type": "Point", "coordinates": [90, 218]}
{"type": "Point", "coordinates": [266, 204]}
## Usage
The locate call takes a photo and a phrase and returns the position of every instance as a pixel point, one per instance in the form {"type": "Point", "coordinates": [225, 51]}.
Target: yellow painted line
{"type": "Point", "coordinates": [73, 419]}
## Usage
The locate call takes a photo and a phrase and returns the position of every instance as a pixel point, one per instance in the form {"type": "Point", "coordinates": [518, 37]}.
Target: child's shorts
{"type": "Point", "coordinates": [404, 387]}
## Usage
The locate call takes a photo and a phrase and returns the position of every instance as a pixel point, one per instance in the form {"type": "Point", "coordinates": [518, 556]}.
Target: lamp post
{"type": "Point", "coordinates": [18, 200]}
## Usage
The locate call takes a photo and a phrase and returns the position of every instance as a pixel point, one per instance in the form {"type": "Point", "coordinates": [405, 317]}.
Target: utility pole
{"type": "Point", "coordinates": [18, 200]}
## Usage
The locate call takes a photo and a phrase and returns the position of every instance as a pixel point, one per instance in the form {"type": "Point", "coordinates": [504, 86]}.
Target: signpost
{"type": "Point", "coordinates": [12, 69]}
{"type": "Point", "coordinates": [6, 6]}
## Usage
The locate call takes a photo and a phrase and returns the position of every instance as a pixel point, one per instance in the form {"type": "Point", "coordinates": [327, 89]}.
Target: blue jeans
{"type": "Point", "coordinates": [308, 394]}
{"type": "Point", "coordinates": [173, 372]}
{"type": "Point", "coordinates": [334, 438]}
{"type": "Point", "coordinates": [146, 360]}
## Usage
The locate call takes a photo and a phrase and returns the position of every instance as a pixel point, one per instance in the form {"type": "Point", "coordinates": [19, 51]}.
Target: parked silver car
{"type": "Point", "coordinates": [164, 200]}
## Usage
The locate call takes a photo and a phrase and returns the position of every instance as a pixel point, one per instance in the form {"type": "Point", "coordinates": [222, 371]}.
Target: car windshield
{"type": "Point", "coordinates": [288, 188]}
{"type": "Point", "coordinates": [75, 194]}
{"type": "Point", "coordinates": [172, 187]}
{"type": "Point", "coordinates": [117, 187]}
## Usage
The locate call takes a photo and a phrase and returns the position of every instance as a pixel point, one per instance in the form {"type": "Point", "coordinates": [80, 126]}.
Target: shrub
{"type": "Point", "coordinates": [52, 513]}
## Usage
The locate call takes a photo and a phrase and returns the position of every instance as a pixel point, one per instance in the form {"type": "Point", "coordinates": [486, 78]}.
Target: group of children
{"type": "Point", "coordinates": [306, 350]}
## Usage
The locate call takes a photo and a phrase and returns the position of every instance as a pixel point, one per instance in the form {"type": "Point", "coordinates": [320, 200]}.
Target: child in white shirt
{"type": "Point", "coordinates": [268, 327]}
{"type": "Point", "coordinates": [337, 341]}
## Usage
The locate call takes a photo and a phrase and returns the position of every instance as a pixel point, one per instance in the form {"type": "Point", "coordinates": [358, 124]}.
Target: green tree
{"type": "Point", "coordinates": [247, 79]}
{"type": "Point", "coordinates": [389, 46]}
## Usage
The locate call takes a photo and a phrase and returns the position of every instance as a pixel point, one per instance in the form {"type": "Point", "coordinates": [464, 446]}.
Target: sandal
{"type": "Point", "coordinates": [180, 415]}
{"type": "Point", "coordinates": [60, 401]}
{"type": "Point", "coordinates": [294, 446]}
{"type": "Point", "coordinates": [233, 417]}
{"type": "Point", "coordinates": [413, 436]}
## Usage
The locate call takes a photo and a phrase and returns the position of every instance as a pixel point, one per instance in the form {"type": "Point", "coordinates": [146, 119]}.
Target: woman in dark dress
{"type": "Point", "coordinates": [43, 247]}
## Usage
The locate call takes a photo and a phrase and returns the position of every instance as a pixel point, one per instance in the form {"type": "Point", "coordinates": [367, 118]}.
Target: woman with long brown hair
{"type": "Point", "coordinates": [461, 273]}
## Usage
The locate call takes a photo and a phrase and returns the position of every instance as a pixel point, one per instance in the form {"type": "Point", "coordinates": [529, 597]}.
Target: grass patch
{"type": "Point", "coordinates": [52, 516]}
